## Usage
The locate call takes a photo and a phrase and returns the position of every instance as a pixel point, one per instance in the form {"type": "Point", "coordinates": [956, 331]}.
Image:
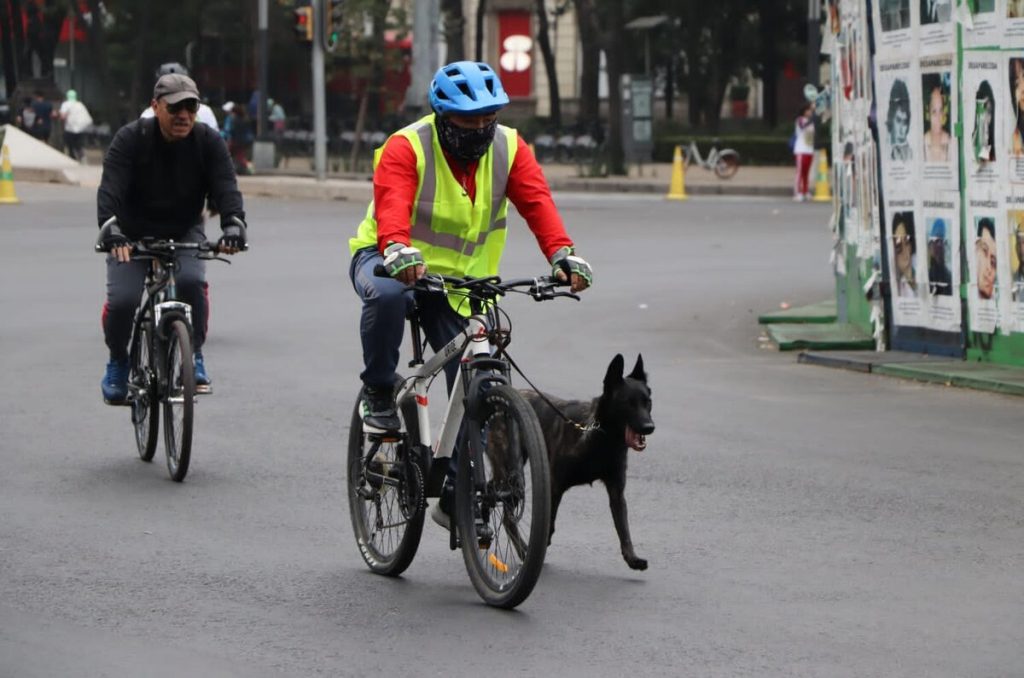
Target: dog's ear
{"type": "Point", "coordinates": [638, 369]}
{"type": "Point", "coordinates": [613, 376]}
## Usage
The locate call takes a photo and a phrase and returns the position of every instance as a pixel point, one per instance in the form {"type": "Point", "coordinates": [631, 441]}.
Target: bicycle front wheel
{"type": "Point", "coordinates": [386, 497]}
{"type": "Point", "coordinates": [727, 165]}
{"type": "Point", "coordinates": [142, 386]}
{"type": "Point", "coordinates": [179, 400]}
{"type": "Point", "coordinates": [503, 498]}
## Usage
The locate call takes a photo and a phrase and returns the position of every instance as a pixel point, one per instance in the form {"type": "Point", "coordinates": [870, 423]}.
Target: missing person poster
{"type": "Point", "coordinates": [1015, 245]}
{"type": "Point", "coordinates": [936, 34]}
{"type": "Point", "coordinates": [984, 90]}
{"type": "Point", "coordinates": [987, 21]}
{"type": "Point", "coordinates": [983, 248]}
{"type": "Point", "coordinates": [894, 30]}
{"type": "Point", "coordinates": [1013, 33]}
{"type": "Point", "coordinates": [938, 148]}
{"type": "Point", "coordinates": [1014, 117]}
{"type": "Point", "coordinates": [906, 275]}
{"type": "Point", "coordinates": [941, 215]}
{"type": "Point", "coordinates": [898, 85]}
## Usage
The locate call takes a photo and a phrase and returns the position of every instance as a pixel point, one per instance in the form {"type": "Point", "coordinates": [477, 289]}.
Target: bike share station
{"type": "Point", "coordinates": [928, 204]}
{"type": "Point", "coordinates": [637, 120]}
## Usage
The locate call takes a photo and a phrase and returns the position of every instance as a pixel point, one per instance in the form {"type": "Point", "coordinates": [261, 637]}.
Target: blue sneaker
{"type": "Point", "coordinates": [115, 382]}
{"type": "Point", "coordinates": [202, 379]}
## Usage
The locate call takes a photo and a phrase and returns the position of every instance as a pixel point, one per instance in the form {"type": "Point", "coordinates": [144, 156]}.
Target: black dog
{"type": "Point", "coordinates": [590, 440]}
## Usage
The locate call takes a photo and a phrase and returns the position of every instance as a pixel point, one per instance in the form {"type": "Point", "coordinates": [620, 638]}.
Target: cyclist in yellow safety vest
{"type": "Point", "coordinates": [441, 188]}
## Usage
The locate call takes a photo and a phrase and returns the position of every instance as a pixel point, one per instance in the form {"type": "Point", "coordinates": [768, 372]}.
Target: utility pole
{"type": "Point", "coordinates": [261, 105]}
{"type": "Point", "coordinates": [319, 103]}
{"type": "Point", "coordinates": [424, 52]}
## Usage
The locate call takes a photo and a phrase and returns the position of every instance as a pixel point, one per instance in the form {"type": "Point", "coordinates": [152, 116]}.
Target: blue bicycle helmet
{"type": "Point", "coordinates": [467, 88]}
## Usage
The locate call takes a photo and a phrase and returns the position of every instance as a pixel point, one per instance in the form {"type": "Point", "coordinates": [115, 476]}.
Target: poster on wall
{"type": "Point", "coordinates": [894, 29]}
{"type": "Point", "coordinates": [986, 26]}
{"type": "Point", "coordinates": [1015, 245]}
{"type": "Point", "coordinates": [938, 148]}
{"type": "Point", "coordinates": [941, 215]}
{"type": "Point", "coordinates": [984, 246]}
{"type": "Point", "coordinates": [936, 34]}
{"type": "Point", "coordinates": [1014, 118]}
{"type": "Point", "coordinates": [906, 277]}
{"type": "Point", "coordinates": [1013, 34]}
{"type": "Point", "coordinates": [898, 85]}
{"type": "Point", "coordinates": [984, 90]}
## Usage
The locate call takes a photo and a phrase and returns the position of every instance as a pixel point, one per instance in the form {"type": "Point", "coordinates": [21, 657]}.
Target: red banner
{"type": "Point", "coordinates": [515, 50]}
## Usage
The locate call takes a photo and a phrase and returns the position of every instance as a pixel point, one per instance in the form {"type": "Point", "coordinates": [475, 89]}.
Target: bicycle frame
{"type": "Point", "coordinates": [472, 343]}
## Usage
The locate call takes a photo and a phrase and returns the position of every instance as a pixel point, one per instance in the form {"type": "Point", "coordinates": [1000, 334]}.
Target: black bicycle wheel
{"type": "Point", "coordinates": [727, 165]}
{"type": "Point", "coordinates": [503, 498]}
{"type": "Point", "coordinates": [179, 399]}
{"type": "Point", "coordinates": [142, 392]}
{"type": "Point", "coordinates": [386, 497]}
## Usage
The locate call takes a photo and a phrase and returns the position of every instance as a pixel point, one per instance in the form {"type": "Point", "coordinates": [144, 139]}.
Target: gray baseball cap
{"type": "Point", "coordinates": [175, 87]}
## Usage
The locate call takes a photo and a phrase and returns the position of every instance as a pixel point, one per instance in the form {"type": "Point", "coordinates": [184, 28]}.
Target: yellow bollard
{"type": "Point", "coordinates": [7, 195]}
{"type": "Point", "coordinates": [677, 186]}
{"type": "Point", "coordinates": [822, 190]}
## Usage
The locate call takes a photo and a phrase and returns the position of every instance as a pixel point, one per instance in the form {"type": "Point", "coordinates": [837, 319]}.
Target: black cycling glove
{"type": "Point", "coordinates": [234, 235]}
{"type": "Point", "coordinates": [112, 237]}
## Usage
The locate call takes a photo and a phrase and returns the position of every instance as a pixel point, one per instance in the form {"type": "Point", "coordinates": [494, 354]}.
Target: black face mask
{"type": "Point", "coordinates": [467, 145]}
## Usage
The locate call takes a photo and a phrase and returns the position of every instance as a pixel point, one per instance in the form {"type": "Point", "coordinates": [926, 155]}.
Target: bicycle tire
{"type": "Point", "coordinates": [179, 400]}
{"type": "Point", "coordinates": [728, 163]}
{"type": "Point", "coordinates": [387, 505]}
{"type": "Point", "coordinates": [503, 482]}
{"type": "Point", "coordinates": [145, 411]}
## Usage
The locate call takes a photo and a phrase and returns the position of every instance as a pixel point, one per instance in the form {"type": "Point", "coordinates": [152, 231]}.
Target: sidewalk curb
{"type": "Point", "coordinates": [996, 378]}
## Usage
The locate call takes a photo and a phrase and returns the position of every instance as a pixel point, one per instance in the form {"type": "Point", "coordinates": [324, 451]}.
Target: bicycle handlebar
{"type": "Point", "coordinates": [158, 248]}
{"type": "Point", "coordinates": [541, 288]}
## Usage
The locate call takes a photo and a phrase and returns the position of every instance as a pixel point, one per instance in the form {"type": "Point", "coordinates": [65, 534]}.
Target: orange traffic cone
{"type": "Point", "coordinates": [7, 195]}
{"type": "Point", "coordinates": [677, 186]}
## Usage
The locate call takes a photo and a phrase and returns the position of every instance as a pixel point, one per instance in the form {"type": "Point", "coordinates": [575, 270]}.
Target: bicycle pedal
{"type": "Point", "coordinates": [203, 389]}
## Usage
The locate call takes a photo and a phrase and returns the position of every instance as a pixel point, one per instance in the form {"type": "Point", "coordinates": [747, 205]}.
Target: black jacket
{"type": "Point", "coordinates": [158, 188]}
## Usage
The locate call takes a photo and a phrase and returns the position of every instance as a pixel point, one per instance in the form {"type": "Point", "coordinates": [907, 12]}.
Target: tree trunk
{"type": "Point", "coordinates": [454, 30]}
{"type": "Point", "coordinates": [20, 44]}
{"type": "Point", "coordinates": [770, 61]}
{"type": "Point", "coordinates": [7, 54]}
{"type": "Point", "coordinates": [481, 12]}
{"type": "Point", "coordinates": [590, 66]}
{"type": "Point", "coordinates": [549, 64]}
{"type": "Point", "coordinates": [141, 42]}
{"type": "Point", "coordinates": [613, 51]}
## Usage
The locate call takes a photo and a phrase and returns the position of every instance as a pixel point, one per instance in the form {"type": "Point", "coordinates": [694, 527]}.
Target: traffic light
{"type": "Point", "coordinates": [303, 23]}
{"type": "Point", "coordinates": [334, 15]}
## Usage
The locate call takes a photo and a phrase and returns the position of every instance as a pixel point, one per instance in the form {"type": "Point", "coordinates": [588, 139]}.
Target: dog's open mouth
{"type": "Point", "coordinates": [634, 440]}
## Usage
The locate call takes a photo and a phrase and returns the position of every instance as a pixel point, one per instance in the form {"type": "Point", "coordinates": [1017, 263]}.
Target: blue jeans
{"type": "Point", "coordinates": [386, 302]}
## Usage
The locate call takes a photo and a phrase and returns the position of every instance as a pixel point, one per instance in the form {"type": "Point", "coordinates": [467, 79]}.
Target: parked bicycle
{"type": "Point", "coordinates": [161, 374]}
{"type": "Point", "coordinates": [502, 488]}
{"type": "Point", "coordinates": [723, 163]}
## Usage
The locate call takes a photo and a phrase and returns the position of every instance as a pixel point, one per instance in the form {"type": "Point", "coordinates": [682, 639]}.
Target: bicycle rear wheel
{"type": "Point", "coordinates": [503, 498]}
{"type": "Point", "coordinates": [386, 497]}
{"type": "Point", "coordinates": [179, 400]}
{"type": "Point", "coordinates": [142, 385]}
{"type": "Point", "coordinates": [727, 165]}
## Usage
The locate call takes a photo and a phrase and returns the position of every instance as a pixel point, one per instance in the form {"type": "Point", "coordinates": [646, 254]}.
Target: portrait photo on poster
{"type": "Point", "coordinates": [897, 122]}
{"type": "Point", "coordinates": [894, 14]}
{"type": "Point", "coordinates": [904, 254]}
{"type": "Point", "coordinates": [938, 142]}
{"type": "Point", "coordinates": [940, 276]}
{"type": "Point", "coordinates": [1013, 33]}
{"type": "Point", "coordinates": [986, 258]}
{"type": "Point", "coordinates": [1015, 227]}
{"type": "Point", "coordinates": [984, 116]}
{"type": "Point", "coordinates": [1015, 70]}
{"type": "Point", "coordinates": [894, 28]}
{"type": "Point", "coordinates": [936, 34]}
{"type": "Point", "coordinates": [941, 215]}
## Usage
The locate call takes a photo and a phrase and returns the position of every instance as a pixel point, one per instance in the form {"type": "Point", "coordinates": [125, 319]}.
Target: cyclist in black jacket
{"type": "Point", "coordinates": [157, 174]}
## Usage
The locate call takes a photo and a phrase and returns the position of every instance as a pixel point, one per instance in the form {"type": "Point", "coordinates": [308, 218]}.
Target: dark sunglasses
{"type": "Point", "coordinates": [190, 105]}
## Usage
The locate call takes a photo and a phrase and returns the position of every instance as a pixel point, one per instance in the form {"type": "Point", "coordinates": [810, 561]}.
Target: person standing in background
{"type": "Point", "coordinates": [803, 151]}
{"type": "Point", "coordinates": [76, 119]}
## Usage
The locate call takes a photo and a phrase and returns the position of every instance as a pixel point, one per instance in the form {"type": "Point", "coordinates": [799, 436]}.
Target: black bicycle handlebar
{"type": "Point", "coordinates": [540, 288]}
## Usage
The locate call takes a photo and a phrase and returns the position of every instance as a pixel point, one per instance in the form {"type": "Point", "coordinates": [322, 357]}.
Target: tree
{"type": "Point", "coordinates": [454, 29]}
{"type": "Point", "coordinates": [604, 20]}
{"type": "Point", "coordinates": [544, 41]}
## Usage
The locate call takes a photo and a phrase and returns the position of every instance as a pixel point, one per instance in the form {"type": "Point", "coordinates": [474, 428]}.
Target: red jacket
{"type": "Point", "coordinates": [394, 191]}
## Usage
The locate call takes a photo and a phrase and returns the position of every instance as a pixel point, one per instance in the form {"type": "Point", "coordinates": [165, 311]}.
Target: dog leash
{"type": "Point", "coordinates": [593, 426]}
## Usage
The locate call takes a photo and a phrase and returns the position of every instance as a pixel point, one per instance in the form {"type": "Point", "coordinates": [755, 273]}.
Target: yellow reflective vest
{"type": "Point", "coordinates": [457, 236]}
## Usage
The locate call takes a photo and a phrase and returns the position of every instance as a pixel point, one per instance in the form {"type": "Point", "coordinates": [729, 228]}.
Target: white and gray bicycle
{"type": "Point", "coordinates": [502, 491]}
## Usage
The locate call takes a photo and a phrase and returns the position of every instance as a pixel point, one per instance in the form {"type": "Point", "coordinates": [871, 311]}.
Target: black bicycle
{"type": "Point", "coordinates": [161, 374]}
{"type": "Point", "coordinates": [502, 490]}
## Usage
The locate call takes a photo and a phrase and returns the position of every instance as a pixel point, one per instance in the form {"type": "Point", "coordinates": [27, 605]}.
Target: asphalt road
{"type": "Point", "coordinates": [799, 521]}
